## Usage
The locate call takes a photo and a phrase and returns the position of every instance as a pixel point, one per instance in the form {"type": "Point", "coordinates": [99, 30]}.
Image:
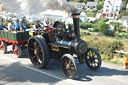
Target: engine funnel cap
{"type": "Point", "coordinates": [76, 15]}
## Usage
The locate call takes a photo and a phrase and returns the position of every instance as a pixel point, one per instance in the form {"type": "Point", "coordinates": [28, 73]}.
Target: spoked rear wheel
{"type": "Point", "coordinates": [3, 46]}
{"type": "Point", "coordinates": [38, 51]}
{"type": "Point", "coordinates": [17, 50]}
{"type": "Point", "coordinates": [93, 58]}
{"type": "Point", "coordinates": [69, 66]}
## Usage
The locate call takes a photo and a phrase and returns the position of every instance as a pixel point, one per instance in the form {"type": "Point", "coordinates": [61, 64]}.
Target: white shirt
{"type": "Point", "coordinates": [10, 26]}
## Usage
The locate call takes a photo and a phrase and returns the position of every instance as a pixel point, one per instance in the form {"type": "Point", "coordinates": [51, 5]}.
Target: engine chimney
{"type": "Point", "coordinates": [76, 24]}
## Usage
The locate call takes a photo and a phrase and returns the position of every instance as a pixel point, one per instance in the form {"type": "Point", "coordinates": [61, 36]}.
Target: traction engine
{"type": "Point", "coordinates": [62, 43]}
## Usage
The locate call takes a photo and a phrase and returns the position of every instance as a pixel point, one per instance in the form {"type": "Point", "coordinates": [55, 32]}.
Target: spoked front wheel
{"type": "Point", "coordinates": [38, 51]}
{"type": "Point", "coordinates": [93, 58]}
{"type": "Point", "coordinates": [69, 66]}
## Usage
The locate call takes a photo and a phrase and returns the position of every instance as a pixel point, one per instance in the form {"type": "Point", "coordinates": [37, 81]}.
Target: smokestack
{"type": "Point", "coordinates": [76, 24]}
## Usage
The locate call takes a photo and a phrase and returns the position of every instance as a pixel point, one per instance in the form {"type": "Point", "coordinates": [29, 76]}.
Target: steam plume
{"type": "Point", "coordinates": [36, 6]}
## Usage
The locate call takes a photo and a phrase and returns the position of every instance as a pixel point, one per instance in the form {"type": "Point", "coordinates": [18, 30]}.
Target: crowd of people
{"type": "Point", "coordinates": [22, 25]}
{"type": "Point", "coordinates": [17, 26]}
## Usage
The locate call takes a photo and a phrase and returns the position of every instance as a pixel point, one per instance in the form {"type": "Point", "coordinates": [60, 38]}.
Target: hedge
{"type": "Point", "coordinates": [85, 25]}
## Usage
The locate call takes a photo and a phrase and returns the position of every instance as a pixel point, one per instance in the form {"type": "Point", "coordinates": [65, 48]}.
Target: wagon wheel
{"type": "Point", "coordinates": [93, 58]}
{"type": "Point", "coordinates": [69, 66]}
{"type": "Point", "coordinates": [38, 51]}
{"type": "Point", "coordinates": [3, 46]}
{"type": "Point", "coordinates": [17, 50]}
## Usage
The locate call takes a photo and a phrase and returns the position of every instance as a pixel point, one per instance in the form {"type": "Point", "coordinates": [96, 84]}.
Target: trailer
{"type": "Point", "coordinates": [18, 40]}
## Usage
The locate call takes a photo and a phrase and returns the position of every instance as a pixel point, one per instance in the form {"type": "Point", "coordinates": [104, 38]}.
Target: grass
{"type": "Point", "coordinates": [100, 42]}
{"type": "Point", "coordinates": [118, 61]}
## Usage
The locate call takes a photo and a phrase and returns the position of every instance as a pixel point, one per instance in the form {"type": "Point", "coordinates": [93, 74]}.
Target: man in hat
{"type": "Point", "coordinates": [37, 26]}
{"type": "Point", "coordinates": [17, 25]}
{"type": "Point", "coordinates": [23, 24]}
{"type": "Point", "coordinates": [10, 26]}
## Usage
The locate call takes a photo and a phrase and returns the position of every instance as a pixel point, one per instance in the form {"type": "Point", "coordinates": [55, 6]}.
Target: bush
{"type": "Point", "coordinates": [5, 24]}
{"type": "Point", "coordinates": [85, 25]}
{"type": "Point", "coordinates": [31, 23]}
{"type": "Point", "coordinates": [116, 45]}
{"type": "Point", "coordinates": [2, 20]}
{"type": "Point", "coordinates": [104, 28]}
{"type": "Point", "coordinates": [102, 20]}
{"type": "Point", "coordinates": [101, 26]}
{"type": "Point", "coordinates": [104, 45]}
{"type": "Point", "coordinates": [91, 13]}
{"type": "Point", "coordinates": [123, 14]}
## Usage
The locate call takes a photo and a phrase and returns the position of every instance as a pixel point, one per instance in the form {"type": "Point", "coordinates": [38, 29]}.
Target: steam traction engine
{"type": "Point", "coordinates": [61, 43]}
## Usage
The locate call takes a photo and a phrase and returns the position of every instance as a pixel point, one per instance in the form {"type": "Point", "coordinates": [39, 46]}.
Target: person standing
{"type": "Point", "coordinates": [10, 26]}
{"type": "Point", "coordinates": [23, 24]}
{"type": "Point", "coordinates": [2, 27]}
{"type": "Point", "coordinates": [17, 25]}
{"type": "Point", "coordinates": [47, 22]}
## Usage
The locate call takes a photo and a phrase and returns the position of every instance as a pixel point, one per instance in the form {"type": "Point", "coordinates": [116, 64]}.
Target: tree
{"type": "Point", "coordinates": [98, 22]}
{"type": "Point", "coordinates": [125, 4]}
{"type": "Point", "coordinates": [104, 28]}
{"type": "Point", "coordinates": [100, 6]}
{"type": "Point", "coordinates": [117, 26]}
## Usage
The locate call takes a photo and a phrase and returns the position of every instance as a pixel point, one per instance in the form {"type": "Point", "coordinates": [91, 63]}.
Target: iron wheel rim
{"type": "Point", "coordinates": [93, 58]}
{"type": "Point", "coordinates": [35, 52]}
{"type": "Point", "coordinates": [69, 67]}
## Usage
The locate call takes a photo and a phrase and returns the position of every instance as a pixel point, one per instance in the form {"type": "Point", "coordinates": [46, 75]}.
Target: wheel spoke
{"type": "Point", "coordinates": [95, 62]}
{"type": "Point", "coordinates": [39, 49]}
{"type": "Point", "coordinates": [35, 46]}
{"type": "Point", "coordinates": [89, 54]}
{"type": "Point", "coordinates": [41, 60]}
{"type": "Point", "coordinates": [32, 49]}
{"type": "Point", "coordinates": [32, 43]}
{"type": "Point", "coordinates": [66, 67]}
{"type": "Point", "coordinates": [92, 53]}
{"type": "Point", "coordinates": [70, 73]}
{"type": "Point", "coordinates": [69, 61]}
{"type": "Point", "coordinates": [65, 61]}
{"type": "Point", "coordinates": [38, 46]}
{"type": "Point", "coordinates": [40, 55]}
{"type": "Point", "coordinates": [37, 61]}
{"type": "Point", "coordinates": [72, 68]}
{"type": "Point", "coordinates": [34, 56]}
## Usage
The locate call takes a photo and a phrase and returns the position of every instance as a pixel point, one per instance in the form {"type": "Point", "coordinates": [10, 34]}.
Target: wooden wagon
{"type": "Point", "coordinates": [18, 40]}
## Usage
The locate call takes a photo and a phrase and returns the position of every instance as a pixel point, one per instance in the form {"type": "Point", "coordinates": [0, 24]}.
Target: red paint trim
{"type": "Point", "coordinates": [10, 42]}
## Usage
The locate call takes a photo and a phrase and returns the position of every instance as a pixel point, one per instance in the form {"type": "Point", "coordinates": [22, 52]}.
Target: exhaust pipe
{"type": "Point", "coordinates": [76, 24]}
